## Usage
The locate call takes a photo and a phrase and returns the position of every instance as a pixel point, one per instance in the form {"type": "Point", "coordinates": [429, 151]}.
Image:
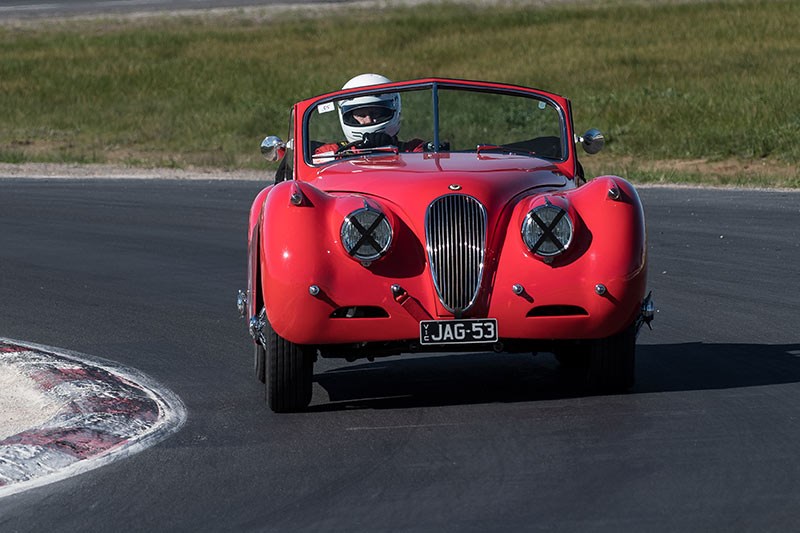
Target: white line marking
{"type": "Point", "coordinates": [410, 426]}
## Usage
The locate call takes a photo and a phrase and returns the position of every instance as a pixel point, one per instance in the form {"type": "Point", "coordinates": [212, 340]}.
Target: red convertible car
{"type": "Point", "coordinates": [441, 215]}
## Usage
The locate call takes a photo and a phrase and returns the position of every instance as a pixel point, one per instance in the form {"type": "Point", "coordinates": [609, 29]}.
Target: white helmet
{"type": "Point", "coordinates": [388, 121]}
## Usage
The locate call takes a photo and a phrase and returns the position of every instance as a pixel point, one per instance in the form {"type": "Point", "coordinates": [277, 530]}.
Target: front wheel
{"type": "Point", "coordinates": [573, 355]}
{"type": "Point", "coordinates": [612, 362]}
{"type": "Point", "coordinates": [290, 369]}
{"type": "Point", "coordinates": [260, 363]}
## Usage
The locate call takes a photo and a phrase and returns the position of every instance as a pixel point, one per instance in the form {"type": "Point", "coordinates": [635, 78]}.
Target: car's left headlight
{"type": "Point", "coordinates": [547, 230]}
{"type": "Point", "coordinates": [366, 234]}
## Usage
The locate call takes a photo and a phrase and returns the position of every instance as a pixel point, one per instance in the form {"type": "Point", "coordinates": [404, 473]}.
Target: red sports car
{"type": "Point", "coordinates": [441, 215]}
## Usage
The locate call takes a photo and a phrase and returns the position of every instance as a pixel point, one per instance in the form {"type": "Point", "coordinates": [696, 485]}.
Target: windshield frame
{"type": "Point", "coordinates": [434, 86]}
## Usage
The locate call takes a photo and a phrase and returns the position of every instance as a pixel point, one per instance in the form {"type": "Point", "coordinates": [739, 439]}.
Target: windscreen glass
{"type": "Point", "coordinates": [411, 120]}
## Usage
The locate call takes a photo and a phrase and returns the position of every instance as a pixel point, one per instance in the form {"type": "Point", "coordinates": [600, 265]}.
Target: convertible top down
{"type": "Point", "coordinates": [468, 225]}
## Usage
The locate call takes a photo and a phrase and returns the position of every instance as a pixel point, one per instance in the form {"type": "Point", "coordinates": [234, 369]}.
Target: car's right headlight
{"type": "Point", "coordinates": [366, 234]}
{"type": "Point", "coordinates": [547, 230]}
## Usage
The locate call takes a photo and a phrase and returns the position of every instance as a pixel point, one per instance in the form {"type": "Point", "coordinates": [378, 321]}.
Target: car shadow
{"type": "Point", "coordinates": [456, 379]}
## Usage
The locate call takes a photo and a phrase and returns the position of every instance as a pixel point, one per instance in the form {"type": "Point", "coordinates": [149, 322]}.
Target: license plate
{"type": "Point", "coordinates": [466, 331]}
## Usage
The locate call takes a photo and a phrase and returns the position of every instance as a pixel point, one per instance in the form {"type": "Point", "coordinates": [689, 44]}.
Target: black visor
{"type": "Point", "coordinates": [369, 114]}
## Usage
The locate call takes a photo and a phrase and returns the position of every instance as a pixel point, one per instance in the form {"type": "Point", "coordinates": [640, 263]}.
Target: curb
{"type": "Point", "coordinates": [110, 412]}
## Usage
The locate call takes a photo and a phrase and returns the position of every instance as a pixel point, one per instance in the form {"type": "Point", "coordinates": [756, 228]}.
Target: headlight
{"type": "Point", "coordinates": [366, 234]}
{"type": "Point", "coordinates": [547, 230]}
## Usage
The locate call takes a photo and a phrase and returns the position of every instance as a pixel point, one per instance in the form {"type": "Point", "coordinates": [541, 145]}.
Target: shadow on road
{"type": "Point", "coordinates": [423, 381]}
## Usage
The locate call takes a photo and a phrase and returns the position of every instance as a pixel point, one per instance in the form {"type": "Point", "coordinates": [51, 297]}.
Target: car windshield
{"type": "Point", "coordinates": [451, 119]}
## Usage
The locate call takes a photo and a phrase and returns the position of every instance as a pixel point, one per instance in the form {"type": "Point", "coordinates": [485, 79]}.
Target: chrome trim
{"type": "Point", "coordinates": [455, 234]}
{"type": "Point", "coordinates": [529, 220]}
{"type": "Point", "coordinates": [297, 195]}
{"type": "Point", "coordinates": [241, 303]}
{"type": "Point", "coordinates": [600, 289]}
{"type": "Point", "coordinates": [313, 290]}
{"type": "Point", "coordinates": [273, 148]}
{"type": "Point", "coordinates": [614, 193]}
{"type": "Point", "coordinates": [367, 260]}
{"type": "Point", "coordinates": [518, 289]}
{"type": "Point", "coordinates": [257, 324]}
{"type": "Point", "coordinates": [593, 141]}
{"type": "Point", "coordinates": [647, 314]}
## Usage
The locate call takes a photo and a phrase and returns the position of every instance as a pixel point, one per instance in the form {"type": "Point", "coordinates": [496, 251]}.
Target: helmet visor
{"type": "Point", "coordinates": [366, 115]}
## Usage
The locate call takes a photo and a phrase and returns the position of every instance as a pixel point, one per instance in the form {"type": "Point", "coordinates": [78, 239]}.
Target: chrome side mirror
{"type": "Point", "coordinates": [593, 141]}
{"type": "Point", "coordinates": [273, 148]}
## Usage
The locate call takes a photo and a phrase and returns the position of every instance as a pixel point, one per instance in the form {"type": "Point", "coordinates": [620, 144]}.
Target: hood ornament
{"type": "Point", "coordinates": [455, 187]}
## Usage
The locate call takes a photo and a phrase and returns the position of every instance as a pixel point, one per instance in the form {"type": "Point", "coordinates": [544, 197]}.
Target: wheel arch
{"type": "Point", "coordinates": [255, 297]}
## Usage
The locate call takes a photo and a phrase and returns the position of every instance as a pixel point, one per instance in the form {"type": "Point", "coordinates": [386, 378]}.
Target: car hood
{"type": "Point", "coordinates": [408, 179]}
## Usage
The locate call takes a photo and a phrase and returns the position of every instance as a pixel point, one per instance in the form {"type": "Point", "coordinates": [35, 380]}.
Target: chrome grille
{"type": "Point", "coordinates": [455, 228]}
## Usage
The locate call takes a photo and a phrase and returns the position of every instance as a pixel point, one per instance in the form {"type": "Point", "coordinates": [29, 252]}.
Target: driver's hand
{"type": "Point", "coordinates": [378, 138]}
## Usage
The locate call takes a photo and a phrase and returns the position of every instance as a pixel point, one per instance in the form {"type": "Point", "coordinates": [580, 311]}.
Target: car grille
{"type": "Point", "coordinates": [455, 228]}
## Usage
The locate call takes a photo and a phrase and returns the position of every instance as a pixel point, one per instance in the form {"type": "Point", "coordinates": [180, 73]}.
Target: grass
{"type": "Point", "coordinates": [665, 81]}
{"type": "Point", "coordinates": [759, 173]}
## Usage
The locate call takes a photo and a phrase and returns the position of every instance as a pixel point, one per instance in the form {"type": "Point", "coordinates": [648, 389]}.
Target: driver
{"type": "Point", "coordinates": [370, 121]}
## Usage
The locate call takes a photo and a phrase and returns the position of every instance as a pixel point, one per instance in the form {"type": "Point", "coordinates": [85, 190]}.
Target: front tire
{"type": "Point", "coordinates": [260, 364]}
{"type": "Point", "coordinates": [289, 372]}
{"type": "Point", "coordinates": [612, 362]}
{"type": "Point", "coordinates": [573, 355]}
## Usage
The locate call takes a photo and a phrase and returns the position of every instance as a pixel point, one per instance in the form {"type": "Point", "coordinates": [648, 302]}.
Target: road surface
{"type": "Point", "coordinates": [145, 273]}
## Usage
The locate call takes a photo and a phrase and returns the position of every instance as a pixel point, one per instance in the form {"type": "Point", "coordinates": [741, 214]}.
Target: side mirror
{"type": "Point", "coordinates": [593, 141]}
{"type": "Point", "coordinates": [273, 148]}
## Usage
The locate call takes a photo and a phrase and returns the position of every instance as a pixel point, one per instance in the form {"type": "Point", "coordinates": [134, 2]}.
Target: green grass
{"type": "Point", "coordinates": [664, 81]}
{"type": "Point", "coordinates": [742, 179]}
{"type": "Point", "coordinates": [759, 173]}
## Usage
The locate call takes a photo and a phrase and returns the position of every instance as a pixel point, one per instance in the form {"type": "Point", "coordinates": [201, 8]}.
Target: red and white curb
{"type": "Point", "coordinates": [110, 412]}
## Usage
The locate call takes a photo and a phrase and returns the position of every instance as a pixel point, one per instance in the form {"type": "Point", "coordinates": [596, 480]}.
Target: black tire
{"type": "Point", "coordinates": [573, 356]}
{"type": "Point", "coordinates": [290, 369]}
{"type": "Point", "coordinates": [260, 365]}
{"type": "Point", "coordinates": [612, 362]}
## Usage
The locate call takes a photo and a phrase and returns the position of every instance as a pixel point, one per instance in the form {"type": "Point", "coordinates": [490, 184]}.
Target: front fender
{"type": "Point", "coordinates": [299, 243]}
{"type": "Point", "coordinates": [608, 248]}
{"type": "Point", "coordinates": [254, 300]}
{"type": "Point", "coordinates": [613, 213]}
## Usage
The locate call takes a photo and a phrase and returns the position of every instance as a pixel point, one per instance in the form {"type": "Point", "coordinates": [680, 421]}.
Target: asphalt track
{"type": "Point", "coordinates": [144, 273]}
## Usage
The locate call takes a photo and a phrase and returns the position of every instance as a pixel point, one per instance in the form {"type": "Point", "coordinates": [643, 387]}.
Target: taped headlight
{"type": "Point", "coordinates": [547, 230]}
{"type": "Point", "coordinates": [366, 234]}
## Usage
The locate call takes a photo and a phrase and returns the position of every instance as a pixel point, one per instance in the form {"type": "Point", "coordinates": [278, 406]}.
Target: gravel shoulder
{"type": "Point", "coordinates": [51, 170]}
{"type": "Point", "coordinates": [782, 173]}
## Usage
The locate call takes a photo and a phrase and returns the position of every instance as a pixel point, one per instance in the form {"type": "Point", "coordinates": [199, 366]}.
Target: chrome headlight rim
{"type": "Point", "coordinates": [367, 235]}
{"type": "Point", "coordinates": [535, 223]}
